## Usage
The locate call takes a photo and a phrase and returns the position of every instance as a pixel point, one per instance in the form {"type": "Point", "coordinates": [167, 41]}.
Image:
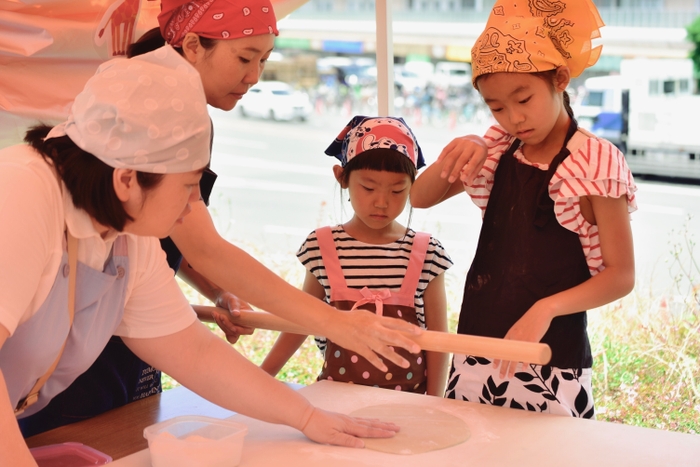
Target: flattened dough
{"type": "Point", "coordinates": [423, 428]}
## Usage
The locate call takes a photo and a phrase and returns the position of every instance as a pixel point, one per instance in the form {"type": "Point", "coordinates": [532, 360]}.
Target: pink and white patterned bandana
{"type": "Point", "coordinates": [365, 133]}
{"type": "Point", "coordinates": [216, 19]}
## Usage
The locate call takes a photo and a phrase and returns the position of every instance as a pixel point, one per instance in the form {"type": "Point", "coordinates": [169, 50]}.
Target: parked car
{"type": "Point", "coordinates": [275, 100]}
{"type": "Point", "coordinates": [452, 75]}
{"type": "Point", "coordinates": [409, 81]}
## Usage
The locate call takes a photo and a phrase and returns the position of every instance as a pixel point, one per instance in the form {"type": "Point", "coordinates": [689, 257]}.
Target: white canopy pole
{"type": "Point", "coordinates": [385, 59]}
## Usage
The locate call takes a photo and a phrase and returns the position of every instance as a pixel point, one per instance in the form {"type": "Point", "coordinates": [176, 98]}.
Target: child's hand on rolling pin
{"type": "Point", "coordinates": [530, 328]}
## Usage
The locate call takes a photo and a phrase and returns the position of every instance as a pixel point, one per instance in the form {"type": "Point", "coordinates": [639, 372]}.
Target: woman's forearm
{"type": "Point", "coordinates": [13, 449]}
{"type": "Point", "coordinates": [213, 369]}
{"type": "Point", "coordinates": [200, 283]}
{"type": "Point", "coordinates": [236, 271]}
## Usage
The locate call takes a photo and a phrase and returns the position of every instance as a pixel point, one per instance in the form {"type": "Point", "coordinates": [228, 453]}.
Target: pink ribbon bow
{"type": "Point", "coordinates": [376, 297]}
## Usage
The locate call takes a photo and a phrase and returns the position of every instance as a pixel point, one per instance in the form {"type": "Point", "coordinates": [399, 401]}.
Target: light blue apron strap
{"type": "Point", "coordinates": [33, 395]}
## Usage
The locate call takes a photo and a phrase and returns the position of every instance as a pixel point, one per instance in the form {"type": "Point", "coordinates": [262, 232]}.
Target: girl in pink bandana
{"type": "Point", "coordinates": [372, 262]}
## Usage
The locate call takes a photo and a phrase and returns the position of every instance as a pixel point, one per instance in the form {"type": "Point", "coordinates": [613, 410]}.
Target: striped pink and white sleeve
{"type": "Point", "coordinates": [498, 141]}
{"type": "Point", "coordinates": [595, 168]}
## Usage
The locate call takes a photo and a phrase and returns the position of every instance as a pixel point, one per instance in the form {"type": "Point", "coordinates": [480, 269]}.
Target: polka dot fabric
{"type": "Point", "coordinates": [147, 113]}
{"type": "Point", "coordinates": [346, 366]}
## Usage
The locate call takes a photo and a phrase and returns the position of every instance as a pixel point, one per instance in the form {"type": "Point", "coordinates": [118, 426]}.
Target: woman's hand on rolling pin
{"type": "Point", "coordinates": [234, 305]}
{"type": "Point", "coordinates": [374, 337]}
{"type": "Point", "coordinates": [343, 430]}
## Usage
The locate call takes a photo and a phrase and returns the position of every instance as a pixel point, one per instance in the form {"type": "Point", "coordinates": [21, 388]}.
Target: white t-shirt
{"type": "Point", "coordinates": [33, 215]}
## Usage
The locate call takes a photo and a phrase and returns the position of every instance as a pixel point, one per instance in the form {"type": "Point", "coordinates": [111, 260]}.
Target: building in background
{"type": "Point", "coordinates": [445, 30]}
{"type": "Point", "coordinates": [432, 41]}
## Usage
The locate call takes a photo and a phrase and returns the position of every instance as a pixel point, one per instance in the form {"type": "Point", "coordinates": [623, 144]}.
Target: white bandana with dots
{"type": "Point", "coordinates": [147, 113]}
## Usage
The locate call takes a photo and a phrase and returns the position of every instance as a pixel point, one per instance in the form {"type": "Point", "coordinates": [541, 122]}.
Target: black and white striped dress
{"type": "Point", "coordinates": [374, 266]}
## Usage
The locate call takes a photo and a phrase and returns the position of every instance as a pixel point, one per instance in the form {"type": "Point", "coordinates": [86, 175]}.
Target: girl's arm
{"type": "Point", "coordinates": [613, 282]}
{"type": "Point", "coordinates": [459, 162]}
{"type": "Point", "coordinates": [287, 343]}
{"type": "Point", "coordinates": [280, 353]}
{"type": "Point", "coordinates": [221, 299]}
{"type": "Point", "coordinates": [234, 270]}
{"type": "Point", "coordinates": [213, 369]}
{"type": "Point", "coordinates": [436, 320]}
{"type": "Point", "coordinates": [13, 449]}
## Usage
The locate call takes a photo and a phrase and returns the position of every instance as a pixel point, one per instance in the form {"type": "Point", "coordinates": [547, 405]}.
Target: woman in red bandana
{"type": "Point", "coordinates": [228, 42]}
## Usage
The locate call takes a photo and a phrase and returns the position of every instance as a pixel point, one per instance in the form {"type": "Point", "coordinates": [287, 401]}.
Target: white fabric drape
{"type": "Point", "coordinates": [49, 49]}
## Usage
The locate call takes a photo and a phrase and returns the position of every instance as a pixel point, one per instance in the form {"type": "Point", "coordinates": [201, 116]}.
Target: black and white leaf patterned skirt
{"type": "Point", "coordinates": [534, 387]}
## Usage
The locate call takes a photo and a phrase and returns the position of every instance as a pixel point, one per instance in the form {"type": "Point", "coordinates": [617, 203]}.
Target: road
{"type": "Point", "coordinates": [276, 185]}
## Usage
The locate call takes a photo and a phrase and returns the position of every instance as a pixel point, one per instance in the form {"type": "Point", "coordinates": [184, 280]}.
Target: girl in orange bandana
{"type": "Point", "coordinates": [555, 200]}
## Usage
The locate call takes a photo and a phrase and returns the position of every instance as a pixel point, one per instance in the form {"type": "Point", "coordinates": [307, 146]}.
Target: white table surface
{"type": "Point", "coordinates": [499, 437]}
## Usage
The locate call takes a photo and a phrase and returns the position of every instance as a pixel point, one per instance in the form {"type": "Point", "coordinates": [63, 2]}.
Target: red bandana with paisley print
{"type": "Point", "coordinates": [216, 19]}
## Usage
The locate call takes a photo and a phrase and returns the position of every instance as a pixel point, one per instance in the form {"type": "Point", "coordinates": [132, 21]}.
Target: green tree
{"type": "Point", "coordinates": [694, 36]}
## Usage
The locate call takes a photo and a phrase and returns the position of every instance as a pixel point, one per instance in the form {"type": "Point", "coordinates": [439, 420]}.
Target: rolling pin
{"type": "Point", "coordinates": [489, 347]}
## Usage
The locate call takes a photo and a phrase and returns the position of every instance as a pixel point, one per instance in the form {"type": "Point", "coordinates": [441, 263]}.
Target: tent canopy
{"type": "Point", "coordinates": [50, 48]}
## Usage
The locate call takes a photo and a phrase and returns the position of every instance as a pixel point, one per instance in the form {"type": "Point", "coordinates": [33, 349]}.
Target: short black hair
{"type": "Point", "coordinates": [88, 179]}
{"type": "Point", "coordinates": [153, 39]}
{"type": "Point", "coordinates": [378, 159]}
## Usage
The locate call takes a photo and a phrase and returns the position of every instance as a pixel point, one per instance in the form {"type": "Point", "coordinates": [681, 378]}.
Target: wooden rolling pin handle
{"type": "Point", "coordinates": [489, 347]}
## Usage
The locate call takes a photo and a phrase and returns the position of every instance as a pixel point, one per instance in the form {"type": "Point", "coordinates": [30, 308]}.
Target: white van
{"type": "Point", "coordinates": [601, 102]}
{"type": "Point", "coordinates": [649, 110]}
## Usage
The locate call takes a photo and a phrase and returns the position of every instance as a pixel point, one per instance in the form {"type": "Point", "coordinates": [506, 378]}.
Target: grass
{"type": "Point", "coordinates": [646, 364]}
{"type": "Point", "coordinates": [646, 348]}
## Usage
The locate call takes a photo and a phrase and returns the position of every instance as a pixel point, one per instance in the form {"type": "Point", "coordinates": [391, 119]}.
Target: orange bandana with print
{"type": "Point", "coordinates": [528, 36]}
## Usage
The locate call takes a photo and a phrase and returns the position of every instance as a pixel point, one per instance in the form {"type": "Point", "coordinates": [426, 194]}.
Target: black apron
{"type": "Point", "coordinates": [524, 255]}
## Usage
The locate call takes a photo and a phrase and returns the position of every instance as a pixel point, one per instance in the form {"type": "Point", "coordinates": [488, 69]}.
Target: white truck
{"type": "Point", "coordinates": [650, 110]}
